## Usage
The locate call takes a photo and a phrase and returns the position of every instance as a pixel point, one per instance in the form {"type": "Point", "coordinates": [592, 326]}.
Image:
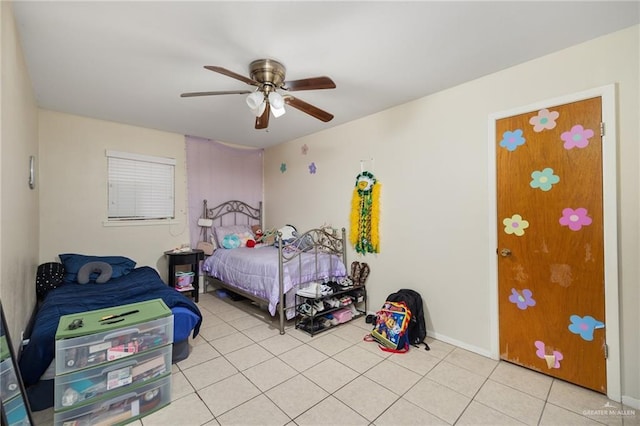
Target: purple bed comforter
{"type": "Point", "coordinates": [255, 270]}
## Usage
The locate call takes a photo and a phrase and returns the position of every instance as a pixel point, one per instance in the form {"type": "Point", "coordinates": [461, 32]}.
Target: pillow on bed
{"type": "Point", "coordinates": [222, 231]}
{"type": "Point", "coordinates": [100, 272]}
{"type": "Point", "coordinates": [72, 262]}
{"type": "Point", "coordinates": [231, 241]}
{"type": "Point", "coordinates": [49, 275]}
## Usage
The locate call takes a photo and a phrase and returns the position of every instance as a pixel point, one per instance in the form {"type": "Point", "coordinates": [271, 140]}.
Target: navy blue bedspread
{"type": "Point", "coordinates": [141, 284]}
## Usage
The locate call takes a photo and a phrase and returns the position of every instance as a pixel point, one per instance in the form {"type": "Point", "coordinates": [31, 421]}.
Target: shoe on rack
{"type": "Point", "coordinates": [345, 283]}
{"type": "Point", "coordinates": [325, 322]}
{"type": "Point", "coordinates": [332, 302]}
{"type": "Point", "coordinates": [325, 290]}
{"type": "Point", "coordinates": [333, 320]}
{"type": "Point", "coordinates": [354, 311]}
{"type": "Point", "coordinates": [311, 290]}
{"type": "Point", "coordinates": [356, 270]}
{"type": "Point", "coordinates": [307, 309]}
{"type": "Point", "coordinates": [364, 274]}
{"type": "Point", "coordinates": [345, 301]}
{"type": "Point", "coordinates": [318, 305]}
{"type": "Point", "coordinates": [311, 326]}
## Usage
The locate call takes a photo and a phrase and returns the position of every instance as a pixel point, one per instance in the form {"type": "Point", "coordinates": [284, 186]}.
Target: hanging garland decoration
{"type": "Point", "coordinates": [365, 214]}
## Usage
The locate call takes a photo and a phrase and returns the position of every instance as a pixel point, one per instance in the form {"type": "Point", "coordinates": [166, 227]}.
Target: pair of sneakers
{"type": "Point", "coordinates": [345, 283]}
{"type": "Point", "coordinates": [311, 307]}
{"type": "Point", "coordinates": [345, 301]}
{"type": "Point", "coordinates": [332, 302]}
{"type": "Point", "coordinates": [307, 309]}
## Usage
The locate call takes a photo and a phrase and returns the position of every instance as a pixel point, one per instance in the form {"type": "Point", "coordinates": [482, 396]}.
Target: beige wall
{"type": "Point", "coordinates": [19, 209]}
{"type": "Point", "coordinates": [431, 157]}
{"type": "Point", "coordinates": [73, 190]}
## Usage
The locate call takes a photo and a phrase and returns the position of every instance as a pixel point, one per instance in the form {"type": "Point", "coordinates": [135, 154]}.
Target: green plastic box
{"type": "Point", "coordinates": [91, 320]}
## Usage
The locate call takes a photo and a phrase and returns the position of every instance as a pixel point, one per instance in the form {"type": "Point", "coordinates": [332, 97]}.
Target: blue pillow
{"type": "Point", "coordinates": [73, 262]}
{"type": "Point", "coordinates": [231, 241]}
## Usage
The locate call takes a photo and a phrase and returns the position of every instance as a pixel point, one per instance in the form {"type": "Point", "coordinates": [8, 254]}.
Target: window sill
{"type": "Point", "coordinates": [109, 223]}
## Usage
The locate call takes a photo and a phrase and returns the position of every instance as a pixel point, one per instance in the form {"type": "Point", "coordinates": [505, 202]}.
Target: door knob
{"type": "Point", "coordinates": [505, 252]}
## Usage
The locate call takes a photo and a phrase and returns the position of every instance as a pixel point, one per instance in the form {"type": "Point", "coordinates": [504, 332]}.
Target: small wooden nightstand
{"type": "Point", "coordinates": [186, 261]}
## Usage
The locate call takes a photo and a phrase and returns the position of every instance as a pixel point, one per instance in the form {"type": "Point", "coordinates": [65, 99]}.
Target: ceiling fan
{"type": "Point", "coordinates": [268, 76]}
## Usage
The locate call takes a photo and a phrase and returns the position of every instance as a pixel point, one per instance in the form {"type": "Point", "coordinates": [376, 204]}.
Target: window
{"type": "Point", "coordinates": [141, 187]}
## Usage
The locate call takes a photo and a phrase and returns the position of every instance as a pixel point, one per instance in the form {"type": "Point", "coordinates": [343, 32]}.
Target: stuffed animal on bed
{"type": "Point", "coordinates": [288, 233]}
{"type": "Point", "coordinates": [257, 236]}
{"type": "Point", "coordinates": [266, 238]}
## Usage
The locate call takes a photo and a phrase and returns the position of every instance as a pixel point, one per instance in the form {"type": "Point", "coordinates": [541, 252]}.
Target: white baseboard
{"type": "Point", "coordinates": [631, 402]}
{"type": "Point", "coordinates": [460, 344]}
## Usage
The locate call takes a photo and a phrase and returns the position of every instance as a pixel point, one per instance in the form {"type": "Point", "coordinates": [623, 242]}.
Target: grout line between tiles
{"type": "Point", "coordinates": [351, 345]}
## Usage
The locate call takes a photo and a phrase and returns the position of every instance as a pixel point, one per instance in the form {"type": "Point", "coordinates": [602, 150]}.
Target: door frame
{"type": "Point", "coordinates": [610, 225]}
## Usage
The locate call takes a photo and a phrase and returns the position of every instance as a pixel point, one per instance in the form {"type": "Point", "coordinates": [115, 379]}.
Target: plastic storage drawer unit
{"type": "Point", "coordinates": [121, 408]}
{"type": "Point", "coordinates": [85, 386]}
{"type": "Point", "coordinates": [108, 334]}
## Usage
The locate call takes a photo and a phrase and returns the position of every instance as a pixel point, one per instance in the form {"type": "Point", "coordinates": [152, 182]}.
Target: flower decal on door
{"type": "Point", "coordinates": [512, 140]}
{"type": "Point", "coordinates": [577, 137]}
{"type": "Point", "coordinates": [544, 179]}
{"type": "Point", "coordinates": [584, 326]}
{"type": "Point", "coordinates": [575, 219]}
{"type": "Point", "coordinates": [522, 299]}
{"type": "Point", "coordinates": [545, 120]}
{"type": "Point", "coordinates": [552, 357]}
{"type": "Point", "coordinates": [515, 225]}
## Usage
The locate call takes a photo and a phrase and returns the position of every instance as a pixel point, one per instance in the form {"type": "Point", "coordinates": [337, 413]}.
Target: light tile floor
{"type": "Point", "coordinates": [241, 371]}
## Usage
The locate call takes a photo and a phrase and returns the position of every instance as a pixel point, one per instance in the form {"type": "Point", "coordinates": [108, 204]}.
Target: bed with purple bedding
{"type": "Point", "coordinates": [256, 271]}
{"type": "Point", "coordinates": [271, 274]}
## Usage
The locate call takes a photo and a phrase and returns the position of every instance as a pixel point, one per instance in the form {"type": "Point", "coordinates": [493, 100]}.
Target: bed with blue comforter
{"type": "Point", "coordinates": [138, 285]}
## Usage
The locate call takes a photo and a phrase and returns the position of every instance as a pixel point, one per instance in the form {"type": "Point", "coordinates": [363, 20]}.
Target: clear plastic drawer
{"type": "Point", "coordinates": [85, 386]}
{"type": "Point", "coordinates": [16, 412]}
{"type": "Point", "coordinates": [96, 349]}
{"type": "Point", "coordinates": [122, 408]}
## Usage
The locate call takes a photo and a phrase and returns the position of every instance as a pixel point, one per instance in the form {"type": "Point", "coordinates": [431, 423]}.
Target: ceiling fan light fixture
{"type": "Point", "coordinates": [255, 99]}
{"type": "Point", "coordinates": [267, 76]}
{"type": "Point", "coordinates": [258, 111]}
{"type": "Point", "coordinates": [277, 104]}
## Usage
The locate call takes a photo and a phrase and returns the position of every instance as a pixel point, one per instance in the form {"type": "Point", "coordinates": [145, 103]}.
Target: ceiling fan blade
{"type": "Point", "coordinates": [308, 108]}
{"type": "Point", "coordinates": [221, 92]}
{"type": "Point", "coordinates": [232, 74]}
{"type": "Point", "coordinates": [262, 122]}
{"type": "Point", "coordinates": [313, 83]}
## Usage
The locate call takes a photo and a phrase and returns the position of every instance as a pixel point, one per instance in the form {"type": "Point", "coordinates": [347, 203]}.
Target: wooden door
{"type": "Point", "coordinates": [551, 243]}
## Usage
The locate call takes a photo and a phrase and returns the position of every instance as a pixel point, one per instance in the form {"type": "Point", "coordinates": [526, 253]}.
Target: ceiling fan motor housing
{"type": "Point", "coordinates": [268, 72]}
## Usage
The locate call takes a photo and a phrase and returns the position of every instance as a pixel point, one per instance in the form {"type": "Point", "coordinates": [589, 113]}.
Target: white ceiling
{"type": "Point", "coordinates": [129, 61]}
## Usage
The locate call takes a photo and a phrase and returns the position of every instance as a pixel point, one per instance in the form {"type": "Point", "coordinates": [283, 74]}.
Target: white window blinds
{"type": "Point", "coordinates": [141, 187]}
